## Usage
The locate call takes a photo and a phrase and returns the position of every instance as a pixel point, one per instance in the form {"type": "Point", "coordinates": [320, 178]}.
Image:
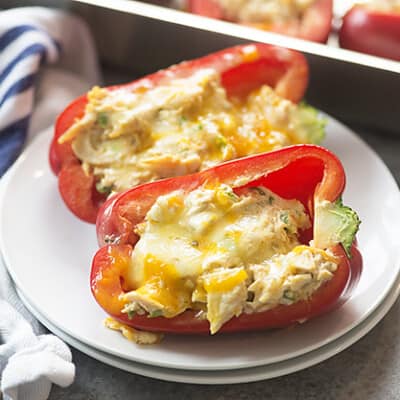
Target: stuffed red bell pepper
{"type": "Point", "coordinates": [181, 120]}
{"type": "Point", "coordinates": [373, 28]}
{"type": "Point", "coordinates": [255, 243]}
{"type": "Point", "coordinates": [309, 19]}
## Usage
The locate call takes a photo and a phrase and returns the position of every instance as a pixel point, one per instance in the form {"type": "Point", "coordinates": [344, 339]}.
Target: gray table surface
{"type": "Point", "coordinates": [368, 370]}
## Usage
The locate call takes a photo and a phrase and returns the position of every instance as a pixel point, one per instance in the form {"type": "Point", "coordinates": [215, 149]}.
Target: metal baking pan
{"type": "Point", "coordinates": [136, 38]}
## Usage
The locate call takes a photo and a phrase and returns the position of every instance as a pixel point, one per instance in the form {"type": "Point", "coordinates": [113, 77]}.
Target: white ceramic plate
{"type": "Point", "coordinates": [48, 252]}
{"type": "Point", "coordinates": [238, 375]}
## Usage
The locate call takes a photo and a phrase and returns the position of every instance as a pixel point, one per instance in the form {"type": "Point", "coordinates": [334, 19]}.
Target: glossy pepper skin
{"type": "Point", "coordinates": [242, 69]}
{"type": "Point", "coordinates": [315, 24]}
{"type": "Point", "coordinates": [371, 31]}
{"type": "Point", "coordinates": [307, 173]}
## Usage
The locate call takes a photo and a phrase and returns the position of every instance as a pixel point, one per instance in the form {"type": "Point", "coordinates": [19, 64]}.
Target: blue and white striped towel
{"type": "Point", "coordinates": [47, 58]}
{"type": "Point", "coordinates": [31, 40]}
{"type": "Point", "coordinates": [23, 50]}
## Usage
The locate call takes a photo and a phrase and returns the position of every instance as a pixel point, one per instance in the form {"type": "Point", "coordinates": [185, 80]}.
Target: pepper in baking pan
{"type": "Point", "coordinates": [373, 28]}
{"type": "Point", "coordinates": [254, 243]}
{"type": "Point", "coordinates": [307, 19]}
{"type": "Point", "coordinates": [181, 120]}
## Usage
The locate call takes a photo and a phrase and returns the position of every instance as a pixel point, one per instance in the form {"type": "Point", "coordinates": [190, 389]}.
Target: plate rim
{"type": "Point", "coordinates": [313, 357]}
{"type": "Point", "coordinates": [243, 365]}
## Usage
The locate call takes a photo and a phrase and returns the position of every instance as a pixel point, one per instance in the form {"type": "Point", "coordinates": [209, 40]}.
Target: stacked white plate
{"type": "Point", "coordinates": [48, 254]}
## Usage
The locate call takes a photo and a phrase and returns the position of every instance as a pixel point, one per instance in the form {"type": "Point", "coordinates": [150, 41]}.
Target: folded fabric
{"type": "Point", "coordinates": [47, 58]}
{"type": "Point", "coordinates": [31, 39]}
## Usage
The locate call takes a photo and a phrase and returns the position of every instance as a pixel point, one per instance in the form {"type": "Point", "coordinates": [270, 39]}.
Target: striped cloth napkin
{"type": "Point", "coordinates": [47, 58]}
{"type": "Point", "coordinates": [31, 40]}
{"type": "Point", "coordinates": [23, 49]}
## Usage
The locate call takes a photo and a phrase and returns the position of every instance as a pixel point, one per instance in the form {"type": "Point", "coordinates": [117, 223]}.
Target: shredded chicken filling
{"type": "Point", "coordinates": [223, 253]}
{"type": "Point", "coordinates": [127, 137]}
{"type": "Point", "coordinates": [264, 11]}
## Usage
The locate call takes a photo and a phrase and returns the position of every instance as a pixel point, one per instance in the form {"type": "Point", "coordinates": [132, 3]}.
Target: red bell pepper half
{"type": "Point", "coordinates": [371, 31]}
{"type": "Point", "coordinates": [315, 24]}
{"type": "Point", "coordinates": [242, 69]}
{"type": "Point", "coordinates": [308, 173]}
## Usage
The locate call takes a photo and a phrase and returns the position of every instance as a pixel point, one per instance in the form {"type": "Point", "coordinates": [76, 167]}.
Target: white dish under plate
{"type": "Point", "coordinates": [48, 253]}
{"type": "Point", "coordinates": [243, 375]}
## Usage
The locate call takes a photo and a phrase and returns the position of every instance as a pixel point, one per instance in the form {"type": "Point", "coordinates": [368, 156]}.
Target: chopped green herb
{"type": "Point", "coordinates": [270, 200]}
{"type": "Point", "coordinates": [155, 314]}
{"type": "Point", "coordinates": [220, 141]}
{"type": "Point", "coordinates": [131, 314]}
{"type": "Point", "coordinates": [182, 119]}
{"type": "Point", "coordinates": [200, 127]}
{"type": "Point", "coordinates": [233, 196]}
{"type": "Point", "coordinates": [103, 189]}
{"type": "Point", "coordinates": [284, 217]}
{"type": "Point", "coordinates": [102, 119]}
{"type": "Point", "coordinates": [288, 295]}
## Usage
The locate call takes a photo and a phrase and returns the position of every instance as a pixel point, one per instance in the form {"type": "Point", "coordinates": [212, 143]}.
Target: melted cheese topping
{"type": "Point", "coordinates": [264, 11]}
{"type": "Point", "coordinates": [130, 137]}
{"type": "Point", "coordinates": [134, 335]}
{"type": "Point", "coordinates": [223, 253]}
